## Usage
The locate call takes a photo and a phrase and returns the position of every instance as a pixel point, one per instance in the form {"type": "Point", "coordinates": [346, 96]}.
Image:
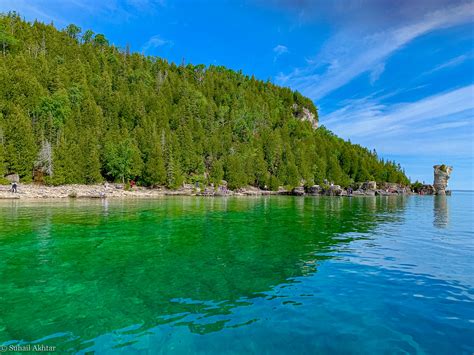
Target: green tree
{"type": "Point", "coordinates": [234, 172]}
{"type": "Point", "coordinates": [7, 41]}
{"type": "Point", "coordinates": [155, 169]}
{"type": "Point", "coordinates": [102, 111]}
{"type": "Point", "coordinates": [73, 31]}
{"type": "Point", "coordinates": [123, 160]}
{"type": "Point", "coordinates": [217, 172]}
{"type": "Point", "coordinates": [20, 147]}
{"type": "Point", "coordinates": [100, 40]}
{"type": "Point", "coordinates": [87, 36]}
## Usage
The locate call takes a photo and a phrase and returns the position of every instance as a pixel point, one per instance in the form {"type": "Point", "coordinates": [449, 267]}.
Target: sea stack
{"type": "Point", "coordinates": [441, 177]}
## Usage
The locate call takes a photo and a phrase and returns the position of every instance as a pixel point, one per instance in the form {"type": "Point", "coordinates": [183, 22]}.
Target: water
{"type": "Point", "coordinates": [240, 275]}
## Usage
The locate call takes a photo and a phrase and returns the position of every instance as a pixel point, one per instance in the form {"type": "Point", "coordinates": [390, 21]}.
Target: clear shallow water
{"type": "Point", "coordinates": [240, 275]}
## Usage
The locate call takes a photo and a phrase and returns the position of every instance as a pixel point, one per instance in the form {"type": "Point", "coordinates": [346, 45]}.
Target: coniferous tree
{"type": "Point", "coordinates": [20, 147]}
{"type": "Point", "coordinates": [155, 169]}
{"type": "Point", "coordinates": [110, 114]}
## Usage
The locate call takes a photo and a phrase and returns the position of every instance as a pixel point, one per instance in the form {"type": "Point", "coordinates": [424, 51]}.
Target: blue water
{"type": "Point", "coordinates": [276, 275]}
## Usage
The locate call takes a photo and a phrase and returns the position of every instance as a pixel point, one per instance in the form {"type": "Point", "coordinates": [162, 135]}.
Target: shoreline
{"type": "Point", "coordinates": [116, 191]}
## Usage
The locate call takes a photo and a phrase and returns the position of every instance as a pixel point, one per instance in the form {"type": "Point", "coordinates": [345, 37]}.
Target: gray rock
{"type": "Point", "coordinates": [208, 191]}
{"type": "Point", "coordinates": [369, 185]}
{"type": "Point", "coordinates": [334, 190]}
{"type": "Point", "coordinates": [298, 191]}
{"type": "Point", "coordinates": [314, 190]}
{"type": "Point", "coordinates": [442, 174]}
{"type": "Point", "coordinates": [304, 114]}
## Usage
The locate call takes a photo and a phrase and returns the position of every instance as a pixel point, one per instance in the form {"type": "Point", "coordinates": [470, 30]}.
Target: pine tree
{"type": "Point", "coordinates": [20, 147]}
{"type": "Point", "coordinates": [110, 114]}
{"type": "Point", "coordinates": [155, 170]}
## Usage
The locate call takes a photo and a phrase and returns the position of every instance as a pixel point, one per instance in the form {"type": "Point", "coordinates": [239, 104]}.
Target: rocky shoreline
{"type": "Point", "coordinates": [32, 191]}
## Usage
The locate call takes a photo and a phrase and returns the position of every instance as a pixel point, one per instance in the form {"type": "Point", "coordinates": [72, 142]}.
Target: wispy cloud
{"type": "Point", "coordinates": [156, 41]}
{"type": "Point", "coordinates": [377, 72]}
{"type": "Point", "coordinates": [31, 10]}
{"type": "Point", "coordinates": [279, 50]}
{"type": "Point", "coordinates": [59, 11]}
{"type": "Point", "coordinates": [344, 57]}
{"type": "Point", "coordinates": [403, 128]}
{"type": "Point", "coordinates": [144, 4]}
{"type": "Point", "coordinates": [450, 63]}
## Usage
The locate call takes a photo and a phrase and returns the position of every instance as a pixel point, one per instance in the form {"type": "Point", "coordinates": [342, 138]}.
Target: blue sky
{"type": "Point", "coordinates": [397, 76]}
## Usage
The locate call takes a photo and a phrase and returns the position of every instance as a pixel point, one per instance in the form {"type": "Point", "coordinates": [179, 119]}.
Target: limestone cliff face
{"type": "Point", "coordinates": [304, 114]}
{"type": "Point", "coordinates": [441, 177]}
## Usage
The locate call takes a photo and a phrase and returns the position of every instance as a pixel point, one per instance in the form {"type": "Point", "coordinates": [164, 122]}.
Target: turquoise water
{"type": "Point", "coordinates": [240, 275]}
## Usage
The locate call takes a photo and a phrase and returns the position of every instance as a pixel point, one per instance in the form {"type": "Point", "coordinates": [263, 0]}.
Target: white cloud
{"type": "Point", "coordinates": [155, 42]}
{"type": "Point", "coordinates": [450, 63]}
{"type": "Point", "coordinates": [59, 11]}
{"type": "Point", "coordinates": [345, 56]}
{"type": "Point", "coordinates": [435, 124]}
{"type": "Point", "coordinates": [279, 50]}
{"type": "Point", "coordinates": [31, 11]}
{"type": "Point", "coordinates": [377, 72]}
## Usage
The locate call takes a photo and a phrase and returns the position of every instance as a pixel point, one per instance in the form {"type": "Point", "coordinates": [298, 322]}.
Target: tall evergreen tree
{"type": "Point", "coordinates": [107, 113]}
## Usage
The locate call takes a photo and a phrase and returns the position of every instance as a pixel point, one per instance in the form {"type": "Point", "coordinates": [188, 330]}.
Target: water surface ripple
{"type": "Point", "coordinates": [240, 275]}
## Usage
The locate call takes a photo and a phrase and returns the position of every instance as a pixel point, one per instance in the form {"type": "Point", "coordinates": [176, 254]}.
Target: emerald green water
{"type": "Point", "coordinates": [239, 275]}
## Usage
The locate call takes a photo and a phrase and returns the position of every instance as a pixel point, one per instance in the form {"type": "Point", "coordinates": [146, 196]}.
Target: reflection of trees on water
{"type": "Point", "coordinates": [440, 209]}
{"type": "Point", "coordinates": [154, 262]}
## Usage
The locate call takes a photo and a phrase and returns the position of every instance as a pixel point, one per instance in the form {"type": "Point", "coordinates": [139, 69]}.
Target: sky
{"type": "Point", "coordinates": [396, 76]}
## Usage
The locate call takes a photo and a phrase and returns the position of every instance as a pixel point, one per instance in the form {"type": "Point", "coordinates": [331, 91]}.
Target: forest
{"type": "Point", "coordinates": [76, 109]}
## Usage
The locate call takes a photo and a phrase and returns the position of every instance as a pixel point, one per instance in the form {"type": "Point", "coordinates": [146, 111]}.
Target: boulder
{"type": "Point", "coordinates": [427, 190]}
{"type": "Point", "coordinates": [369, 185]}
{"type": "Point", "coordinates": [334, 190]}
{"type": "Point", "coordinates": [314, 190]}
{"type": "Point", "coordinates": [208, 191]}
{"type": "Point", "coordinates": [298, 191]}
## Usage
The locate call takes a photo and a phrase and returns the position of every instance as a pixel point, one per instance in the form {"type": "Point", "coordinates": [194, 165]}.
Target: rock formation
{"type": "Point", "coordinates": [369, 185]}
{"type": "Point", "coordinates": [298, 191]}
{"type": "Point", "coordinates": [303, 114]}
{"type": "Point", "coordinates": [314, 190]}
{"type": "Point", "coordinates": [441, 177]}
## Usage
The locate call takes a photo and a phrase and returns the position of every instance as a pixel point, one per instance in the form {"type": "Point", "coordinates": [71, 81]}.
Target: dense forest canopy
{"type": "Point", "coordinates": [74, 109]}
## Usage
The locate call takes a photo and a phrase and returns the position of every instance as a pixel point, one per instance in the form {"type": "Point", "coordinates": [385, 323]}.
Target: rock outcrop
{"type": "Point", "coordinates": [298, 191]}
{"type": "Point", "coordinates": [303, 114]}
{"type": "Point", "coordinates": [314, 190]}
{"type": "Point", "coordinates": [333, 190]}
{"type": "Point", "coordinates": [106, 191]}
{"type": "Point", "coordinates": [369, 185]}
{"type": "Point", "coordinates": [441, 177]}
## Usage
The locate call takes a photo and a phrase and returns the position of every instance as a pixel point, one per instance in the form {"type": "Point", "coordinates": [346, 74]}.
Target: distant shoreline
{"type": "Point", "coordinates": [117, 191]}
